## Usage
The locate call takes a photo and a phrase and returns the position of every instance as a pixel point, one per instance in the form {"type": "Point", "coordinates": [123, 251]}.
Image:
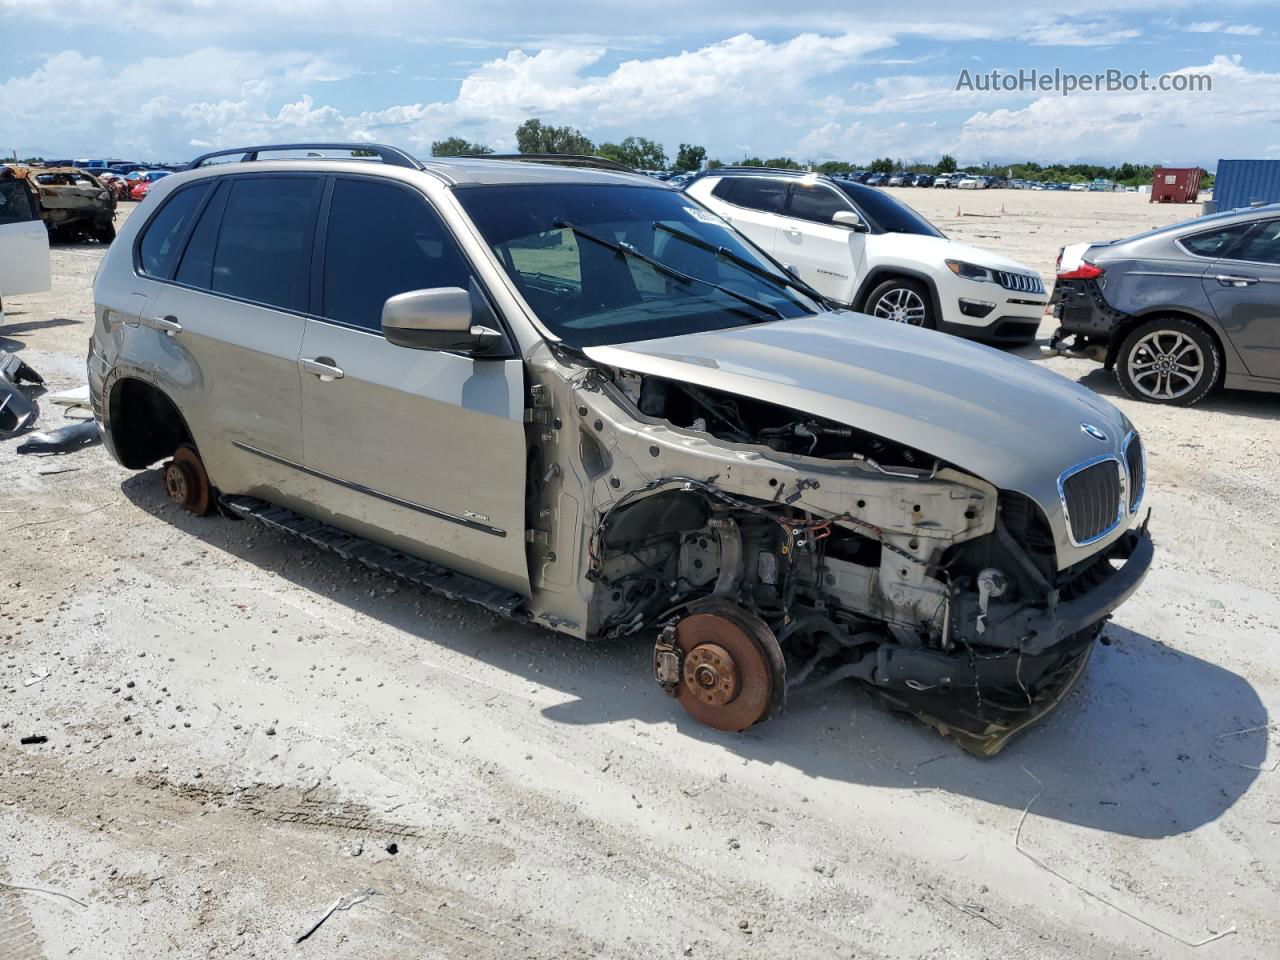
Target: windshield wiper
{"type": "Point", "coordinates": [679, 276]}
{"type": "Point", "coordinates": [721, 251]}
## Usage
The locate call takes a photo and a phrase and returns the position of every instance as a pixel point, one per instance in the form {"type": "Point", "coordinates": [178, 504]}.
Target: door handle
{"type": "Point", "coordinates": [168, 325]}
{"type": "Point", "coordinates": [322, 367]}
{"type": "Point", "coordinates": [1229, 280]}
{"type": "Point", "coordinates": [791, 231]}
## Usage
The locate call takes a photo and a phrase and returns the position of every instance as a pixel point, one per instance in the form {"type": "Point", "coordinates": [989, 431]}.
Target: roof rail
{"type": "Point", "coordinates": [392, 156]}
{"type": "Point", "coordinates": [560, 159]}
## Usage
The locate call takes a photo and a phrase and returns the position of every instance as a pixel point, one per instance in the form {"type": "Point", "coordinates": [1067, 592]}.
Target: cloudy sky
{"type": "Point", "coordinates": [162, 79]}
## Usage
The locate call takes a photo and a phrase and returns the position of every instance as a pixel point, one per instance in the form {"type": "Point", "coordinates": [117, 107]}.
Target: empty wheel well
{"type": "Point", "coordinates": [145, 424]}
{"type": "Point", "coordinates": [1132, 322]}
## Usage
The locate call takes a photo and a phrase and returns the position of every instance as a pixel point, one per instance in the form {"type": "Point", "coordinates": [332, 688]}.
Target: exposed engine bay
{"type": "Point", "coordinates": [773, 551]}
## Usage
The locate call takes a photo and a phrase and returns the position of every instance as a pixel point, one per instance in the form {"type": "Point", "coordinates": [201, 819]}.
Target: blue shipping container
{"type": "Point", "coordinates": [1244, 183]}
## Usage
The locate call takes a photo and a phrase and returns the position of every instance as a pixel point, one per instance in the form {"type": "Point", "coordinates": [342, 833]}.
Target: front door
{"type": "Point", "coordinates": [826, 254]}
{"type": "Point", "coordinates": [419, 449]}
{"type": "Point", "coordinates": [1245, 293]}
{"type": "Point", "coordinates": [24, 242]}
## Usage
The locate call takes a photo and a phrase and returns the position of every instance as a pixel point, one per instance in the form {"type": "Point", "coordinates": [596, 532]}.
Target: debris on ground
{"type": "Point", "coordinates": [65, 439]}
{"type": "Point", "coordinates": [339, 904]}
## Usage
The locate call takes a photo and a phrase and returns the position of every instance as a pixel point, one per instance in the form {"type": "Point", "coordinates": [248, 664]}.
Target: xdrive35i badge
{"type": "Point", "coordinates": [1094, 432]}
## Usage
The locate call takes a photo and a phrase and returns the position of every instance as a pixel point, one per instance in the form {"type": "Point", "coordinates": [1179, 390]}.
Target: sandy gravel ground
{"type": "Point", "coordinates": [242, 733]}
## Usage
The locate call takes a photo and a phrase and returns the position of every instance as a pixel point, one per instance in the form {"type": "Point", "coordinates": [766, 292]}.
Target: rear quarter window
{"type": "Point", "coordinates": [159, 247]}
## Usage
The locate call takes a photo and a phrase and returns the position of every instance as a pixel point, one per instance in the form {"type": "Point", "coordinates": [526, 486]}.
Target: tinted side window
{"type": "Point", "coordinates": [759, 193]}
{"type": "Point", "coordinates": [382, 240]}
{"type": "Point", "coordinates": [1262, 246]}
{"type": "Point", "coordinates": [265, 240]}
{"type": "Point", "coordinates": [158, 249]}
{"type": "Point", "coordinates": [15, 202]}
{"type": "Point", "coordinates": [1215, 243]}
{"type": "Point", "coordinates": [815, 202]}
{"type": "Point", "coordinates": [196, 268]}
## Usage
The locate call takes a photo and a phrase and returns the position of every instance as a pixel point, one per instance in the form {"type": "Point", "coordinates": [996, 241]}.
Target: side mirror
{"type": "Point", "coordinates": [847, 218]}
{"type": "Point", "coordinates": [441, 318]}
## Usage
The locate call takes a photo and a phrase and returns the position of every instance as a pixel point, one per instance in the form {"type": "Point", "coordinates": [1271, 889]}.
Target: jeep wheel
{"type": "Point", "coordinates": [902, 301]}
{"type": "Point", "coordinates": [1170, 360]}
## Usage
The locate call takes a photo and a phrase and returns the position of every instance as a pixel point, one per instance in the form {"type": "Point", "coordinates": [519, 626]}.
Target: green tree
{"type": "Point", "coordinates": [882, 165]}
{"type": "Point", "coordinates": [534, 136]}
{"type": "Point", "coordinates": [714, 164]}
{"type": "Point", "coordinates": [690, 157]}
{"type": "Point", "coordinates": [751, 162]}
{"type": "Point", "coordinates": [457, 147]}
{"type": "Point", "coordinates": [947, 164]}
{"type": "Point", "coordinates": [782, 163]}
{"type": "Point", "coordinates": [640, 153]}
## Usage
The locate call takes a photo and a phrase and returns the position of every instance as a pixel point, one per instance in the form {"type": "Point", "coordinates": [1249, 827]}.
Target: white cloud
{"type": "Point", "coordinates": [1218, 26]}
{"type": "Point", "coordinates": [1067, 33]}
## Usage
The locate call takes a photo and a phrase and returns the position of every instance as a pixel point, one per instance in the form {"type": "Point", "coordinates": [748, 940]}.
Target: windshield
{"type": "Point", "coordinates": [885, 213]}
{"type": "Point", "coordinates": [581, 256]}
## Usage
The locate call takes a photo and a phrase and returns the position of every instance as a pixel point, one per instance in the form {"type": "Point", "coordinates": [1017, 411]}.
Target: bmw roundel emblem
{"type": "Point", "coordinates": [1094, 432]}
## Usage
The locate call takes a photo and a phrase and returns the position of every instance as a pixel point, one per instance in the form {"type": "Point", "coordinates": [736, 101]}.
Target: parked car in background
{"type": "Point", "coordinates": [24, 241]}
{"type": "Point", "coordinates": [877, 180]}
{"type": "Point", "coordinates": [73, 203]}
{"type": "Point", "coordinates": [922, 180]}
{"type": "Point", "coordinates": [968, 183]}
{"type": "Point", "coordinates": [898, 180]}
{"type": "Point", "coordinates": [1179, 311]}
{"type": "Point", "coordinates": [652, 430]}
{"type": "Point", "coordinates": [143, 183]}
{"type": "Point", "coordinates": [1078, 188]}
{"type": "Point", "coordinates": [861, 247]}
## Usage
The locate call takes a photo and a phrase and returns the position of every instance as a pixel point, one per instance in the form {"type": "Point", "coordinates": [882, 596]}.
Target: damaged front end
{"type": "Point", "coordinates": [771, 551]}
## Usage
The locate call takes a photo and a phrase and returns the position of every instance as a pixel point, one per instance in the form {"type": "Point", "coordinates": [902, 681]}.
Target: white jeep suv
{"type": "Point", "coordinates": [862, 247]}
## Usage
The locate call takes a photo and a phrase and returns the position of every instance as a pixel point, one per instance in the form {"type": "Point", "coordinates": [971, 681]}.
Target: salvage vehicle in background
{"type": "Point", "coordinates": [579, 397]}
{"type": "Point", "coordinates": [24, 240]}
{"type": "Point", "coordinates": [1179, 311]}
{"type": "Point", "coordinates": [863, 248]}
{"type": "Point", "coordinates": [73, 203]}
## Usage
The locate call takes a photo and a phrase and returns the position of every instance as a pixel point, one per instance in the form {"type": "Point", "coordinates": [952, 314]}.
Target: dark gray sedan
{"type": "Point", "coordinates": [1179, 311]}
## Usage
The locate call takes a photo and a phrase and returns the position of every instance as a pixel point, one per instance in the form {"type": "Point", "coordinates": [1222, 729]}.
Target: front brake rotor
{"type": "Point", "coordinates": [732, 672]}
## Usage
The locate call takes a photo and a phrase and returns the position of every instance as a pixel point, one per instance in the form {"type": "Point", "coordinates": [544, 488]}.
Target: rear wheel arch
{"type": "Point", "coordinates": [145, 424]}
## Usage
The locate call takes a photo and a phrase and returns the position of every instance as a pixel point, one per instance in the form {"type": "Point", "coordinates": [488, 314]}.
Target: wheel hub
{"type": "Point", "coordinates": [711, 674]}
{"type": "Point", "coordinates": [179, 482]}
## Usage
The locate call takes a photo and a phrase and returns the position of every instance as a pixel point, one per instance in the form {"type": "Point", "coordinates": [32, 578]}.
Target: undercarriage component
{"type": "Point", "coordinates": [186, 483]}
{"type": "Point", "coordinates": [983, 720]}
{"type": "Point", "coordinates": [455, 586]}
{"type": "Point", "coordinates": [723, 664]}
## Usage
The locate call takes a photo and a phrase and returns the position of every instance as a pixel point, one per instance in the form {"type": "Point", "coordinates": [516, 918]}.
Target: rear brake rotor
{"type": "Point", "coordinates": [186, 483]}
{"type": "Point", "coordinates": [733, 674]}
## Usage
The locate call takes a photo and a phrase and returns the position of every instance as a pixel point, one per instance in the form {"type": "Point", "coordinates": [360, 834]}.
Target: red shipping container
{"type": "Point", "coordinates": [1175, 185]}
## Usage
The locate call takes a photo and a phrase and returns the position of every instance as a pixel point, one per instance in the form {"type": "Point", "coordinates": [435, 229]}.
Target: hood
{"type": "Point", "coordinates": [995, 415]}
{"type": "Point", "coordinates": [937, 249]}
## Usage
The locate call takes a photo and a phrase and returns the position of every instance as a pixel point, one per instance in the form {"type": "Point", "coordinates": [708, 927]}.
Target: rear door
{"type": "Point", "coordinates": [757, 205]}
{"type": "Point", "coordinates": [24, 242]}
{"type": "Point", "coordinates": [1245, 292]}
{"type": "Point", "coordinates": [232, 317]}
{"type": "Point", "coordinates": [827, 255]}
{"type": "Point", "coordinates": [419, 449]}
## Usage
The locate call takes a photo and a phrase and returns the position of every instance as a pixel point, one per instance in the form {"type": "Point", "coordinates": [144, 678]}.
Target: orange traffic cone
{"type": "Point", "coordinates": [957, 211]}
